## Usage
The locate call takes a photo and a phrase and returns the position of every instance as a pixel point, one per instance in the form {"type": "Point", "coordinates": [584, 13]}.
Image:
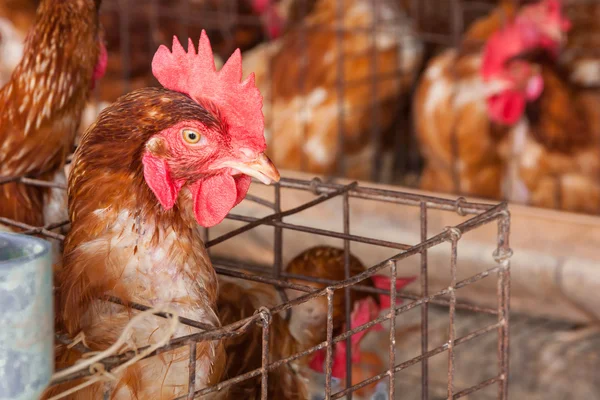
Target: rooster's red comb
{"type": "Point", "coordinates": [239, 103]}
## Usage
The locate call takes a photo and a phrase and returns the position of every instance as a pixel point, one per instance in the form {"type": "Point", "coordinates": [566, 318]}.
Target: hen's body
{"type": "Point", "coordinates": [470, 100]}
{"type": "Point", "coordinates": [41, 107]}
{"type": "Point", "coordinates": [457, 138]}
{"type": "Point", "coordinates": [298, 72]}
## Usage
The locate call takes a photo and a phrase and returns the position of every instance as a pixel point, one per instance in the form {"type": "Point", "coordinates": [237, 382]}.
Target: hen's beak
{"type": "Point", "coordinates": [261, 168]}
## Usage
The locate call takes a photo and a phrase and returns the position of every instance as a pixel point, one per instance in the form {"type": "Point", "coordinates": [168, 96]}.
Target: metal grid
{"type": "Point", "coordinates": [476, 215]}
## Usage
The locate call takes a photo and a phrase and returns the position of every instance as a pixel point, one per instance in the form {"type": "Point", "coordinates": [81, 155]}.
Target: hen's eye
{"type": "Point", "coordinates": [190, 136]}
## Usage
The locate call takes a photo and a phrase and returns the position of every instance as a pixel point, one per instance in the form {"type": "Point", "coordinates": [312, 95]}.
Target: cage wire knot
{"type": "Point", "coordinates": [455, 233]}
{"type": "Point", "coordinates": [458, 205]}
{"type": "Point", "coordinates": [314, 185]}
{"type": "Point", "coordinates": [502, 255]}
{"type": "Point", "coordinates": [265, 316]}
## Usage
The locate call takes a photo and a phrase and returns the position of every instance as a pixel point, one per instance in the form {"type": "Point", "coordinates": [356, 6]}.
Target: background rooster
{"type": "Point", "coordinates": [553, 154]}
{"type": "Point", "coordinates": [459, 136]}
{"type": "Point", "coordinates": [41, 106]}
{"type": "Point", "coordinates": [185, 156]}
{"type": "Point", "coordinates": [298, 74]}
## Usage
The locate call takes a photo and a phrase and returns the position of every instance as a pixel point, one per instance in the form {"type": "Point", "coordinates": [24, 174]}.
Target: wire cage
{"type": "Point", "coordinates": [473, 216]}
{"type": "Point", "coordinates": [341, 88]}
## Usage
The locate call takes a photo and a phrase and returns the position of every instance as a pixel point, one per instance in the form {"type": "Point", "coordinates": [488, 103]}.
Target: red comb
{"type": "Point", "coordinates": [239, 103]}
{"type": "Point", "coordinates": [514, 39]}
{"type": "Point", "coordinates": [384, 282]}
{"type": "Point", "coordinates": [503, 45]}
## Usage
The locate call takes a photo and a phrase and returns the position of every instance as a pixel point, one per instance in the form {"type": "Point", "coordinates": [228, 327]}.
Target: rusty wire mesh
{"type": "Point", "coordinates": [475, 216]}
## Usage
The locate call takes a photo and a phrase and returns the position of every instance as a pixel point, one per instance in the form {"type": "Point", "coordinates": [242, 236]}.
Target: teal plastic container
{"type": "Point", "coordinates": [26, 316]}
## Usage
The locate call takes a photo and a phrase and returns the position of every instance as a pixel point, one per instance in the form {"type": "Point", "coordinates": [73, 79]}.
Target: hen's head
{"type": "Point", "coordinates": [308, 320]}
{"type": "Point", "coordinates": [200, 138]}
{"type": "Point", "coordinates": [511, 81]}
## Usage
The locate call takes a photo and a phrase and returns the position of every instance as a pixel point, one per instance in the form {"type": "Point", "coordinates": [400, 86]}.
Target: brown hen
{"type": "Point", "coordinates": [156, 165]}
{"type": "Point", "coordinates": [42, 103]}
{"type": "Point", "coordinates": [464, 107]}
{"type": "Point", "coordinates": [308, 320]}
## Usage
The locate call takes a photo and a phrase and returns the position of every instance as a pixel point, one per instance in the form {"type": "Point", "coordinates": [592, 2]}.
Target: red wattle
{"type": "Point", "coordinates": [506, 108]}
{"type": "Point", "coordinates": [213, 198]}
{"type": "Point", "coordinates": [242, 184]}
{"type": "Point", "coordinates": [216, 195]}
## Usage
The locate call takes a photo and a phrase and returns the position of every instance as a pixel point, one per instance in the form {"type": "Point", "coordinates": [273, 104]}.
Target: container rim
{"type": "Point", "coordinates": [40, 248]}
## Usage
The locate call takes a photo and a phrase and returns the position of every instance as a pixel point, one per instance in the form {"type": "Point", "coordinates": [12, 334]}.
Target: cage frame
{"type": "Point", "coordinates": [478, 214]}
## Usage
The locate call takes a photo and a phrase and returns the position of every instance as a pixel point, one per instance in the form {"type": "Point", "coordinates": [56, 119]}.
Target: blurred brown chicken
{"type": "Point", "coordinates": [308, 321]}
{"type": "Point", "coordinates": [239, 299]}
{"type": "Point", "coordinates": [554, 154]}
{"type": "Point", "coordinates": [539, 147]}
{"type": "Point", "coordinates": [299, 75]}
{"type": "Point", "coordinates": [42, 103]}
{"type": "Point", "coordinates": [559, 162]}
{"type": "Point", "coordinates": [464, 108]}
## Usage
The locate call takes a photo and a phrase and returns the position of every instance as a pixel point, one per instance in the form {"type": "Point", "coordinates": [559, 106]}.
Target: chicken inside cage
{"type": "Point", "coordinates": [166, 148]}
